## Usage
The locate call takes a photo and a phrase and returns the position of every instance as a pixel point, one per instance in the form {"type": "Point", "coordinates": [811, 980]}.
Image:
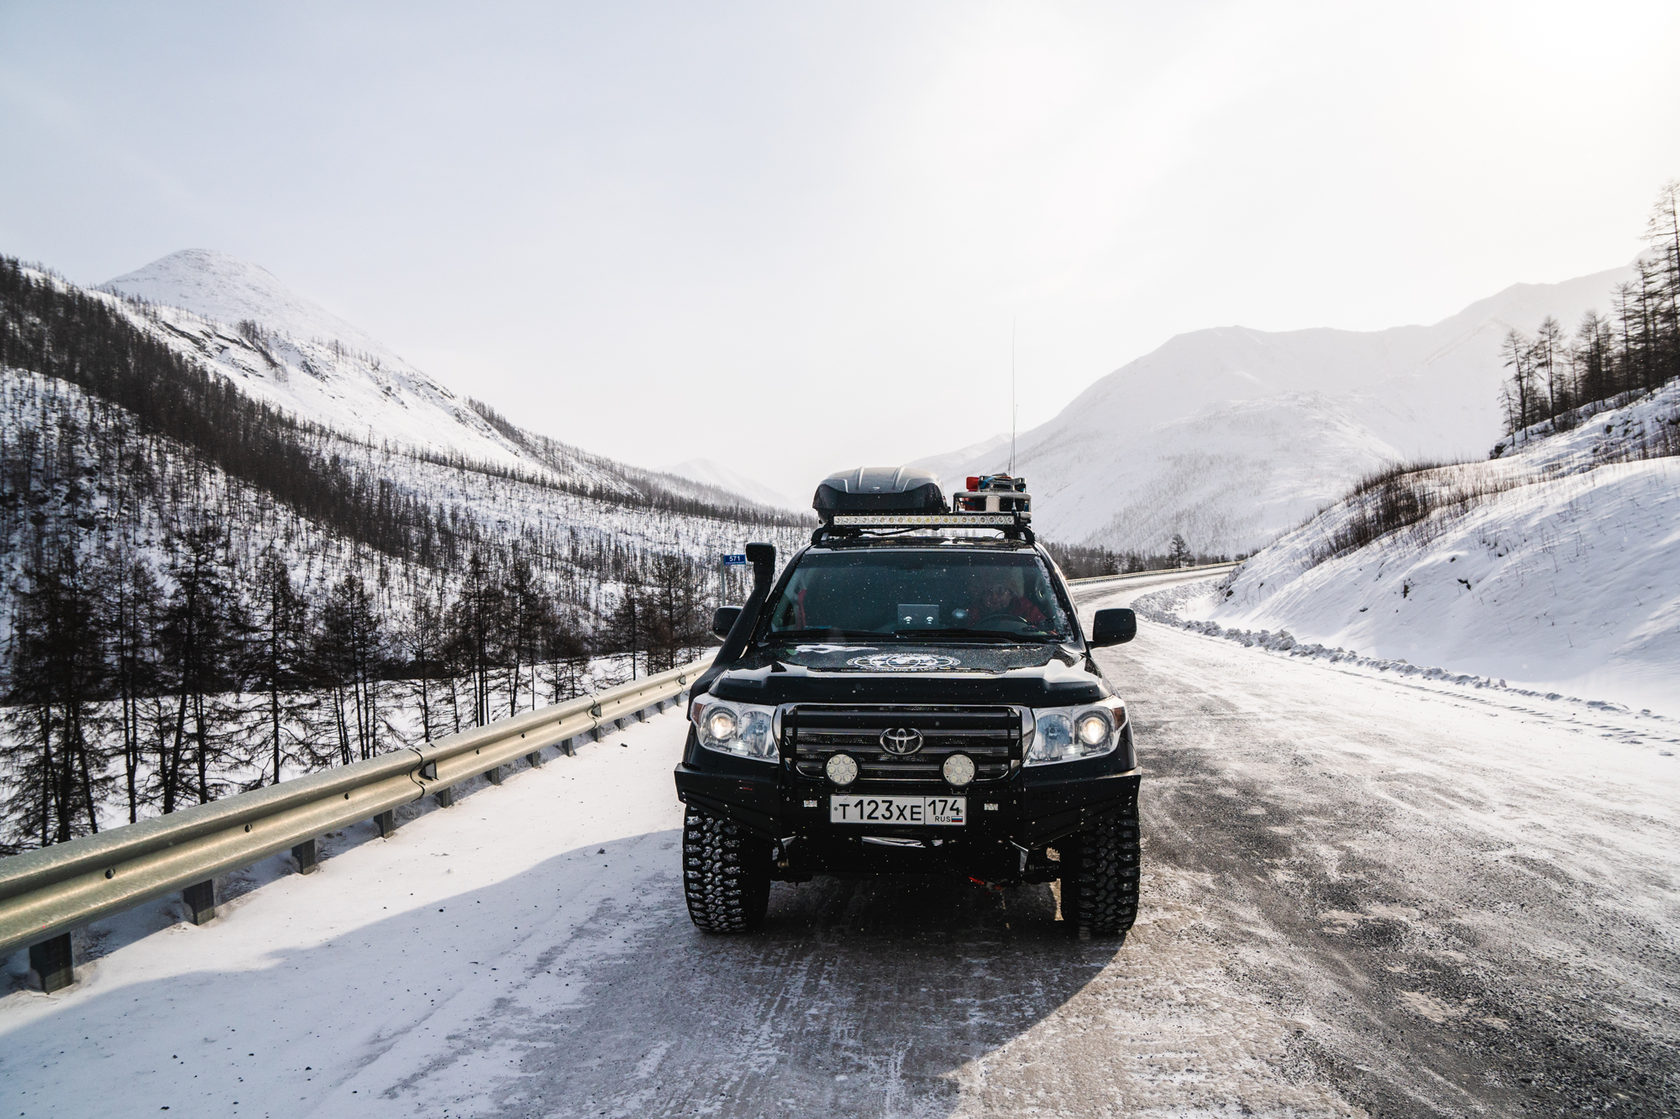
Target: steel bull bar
{"type": "Point", "coordinates": [48, 892]}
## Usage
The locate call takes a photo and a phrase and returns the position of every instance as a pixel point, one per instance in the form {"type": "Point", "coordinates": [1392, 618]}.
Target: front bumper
{"type": "Point", "coordinates": [1009, 822]}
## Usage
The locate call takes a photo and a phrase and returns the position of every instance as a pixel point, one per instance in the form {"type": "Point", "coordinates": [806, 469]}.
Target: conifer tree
{"type": "Point", "coordinates": [348, 651]}
{"type": "Point", "coordinates": [202, 627]}
{"type": "Point", "coordinates": [55, 766]}
{"type": "Point", "coordinates": [132, 608]}
{"type": "Point", "coordinates": [279, 657]}
{"type": "Point", "coordinates": [1178, 552]}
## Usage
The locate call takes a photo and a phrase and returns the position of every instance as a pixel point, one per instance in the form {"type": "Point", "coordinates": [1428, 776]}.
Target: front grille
{"type": "Point", "coordinates": [812, 732]}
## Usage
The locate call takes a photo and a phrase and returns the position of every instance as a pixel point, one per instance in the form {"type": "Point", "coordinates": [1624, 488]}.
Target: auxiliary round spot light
{"type": "Point", "coordinates": [958, 769]}
{"type": "Point", "coordinates": [842, 769]}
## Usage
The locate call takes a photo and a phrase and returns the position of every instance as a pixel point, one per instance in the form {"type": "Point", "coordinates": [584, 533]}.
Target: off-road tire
{"type": "Point", "coordinates": [1100, 870]}
{"type": "Point", "coordinates": [726, 873]}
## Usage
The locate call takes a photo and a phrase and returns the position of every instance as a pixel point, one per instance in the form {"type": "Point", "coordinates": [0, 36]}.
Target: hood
{"type": "Point", "coordinates": [902, 672]}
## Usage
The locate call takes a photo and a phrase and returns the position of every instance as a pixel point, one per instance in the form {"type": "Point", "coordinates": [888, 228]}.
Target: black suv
{"type": "Point", "coordinates": [913, 695]}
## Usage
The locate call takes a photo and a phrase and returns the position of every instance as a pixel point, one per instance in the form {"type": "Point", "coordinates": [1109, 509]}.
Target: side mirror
{"type": "Point", "coordinates": [723, 619]}
{"type": "Point", "coordinates": [1111, 627]}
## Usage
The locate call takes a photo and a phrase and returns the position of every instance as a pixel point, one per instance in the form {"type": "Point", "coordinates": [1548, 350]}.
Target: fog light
{"type": "Point", "coordinates": [842, 769]}
{"type": "Point", "coordinates": [958, 769]}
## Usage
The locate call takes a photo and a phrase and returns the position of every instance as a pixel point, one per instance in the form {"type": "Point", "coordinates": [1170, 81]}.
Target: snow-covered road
{"type": "Point", "coordinates": [1361, 895]}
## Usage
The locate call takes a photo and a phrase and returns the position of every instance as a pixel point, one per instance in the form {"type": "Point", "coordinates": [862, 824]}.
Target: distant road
{"type": "Point", "coordinates": [1362, 895]}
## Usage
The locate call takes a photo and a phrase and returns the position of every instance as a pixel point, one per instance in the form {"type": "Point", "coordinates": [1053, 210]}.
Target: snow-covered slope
{"type": "Point", "coordinates": [1232, 435]}
{"type": "Point", "coordinates": [228, 290]}
{"type": "Point", "coordinates": [1559, 575]}
{"type": "Point", "coordinates": [284, 350]}
{"type": "Point", "coordinates": [302, 359]}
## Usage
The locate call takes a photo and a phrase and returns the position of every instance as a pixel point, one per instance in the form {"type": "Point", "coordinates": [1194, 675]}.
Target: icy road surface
{"type": "Point", "coordinates": [1361, 896]}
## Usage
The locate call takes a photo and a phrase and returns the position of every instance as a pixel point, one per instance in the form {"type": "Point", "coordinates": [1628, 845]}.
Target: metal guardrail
{"type": "Point", "coordinates": [46, 893]}
{"type": "Point", "coordinates": [1204, 569]}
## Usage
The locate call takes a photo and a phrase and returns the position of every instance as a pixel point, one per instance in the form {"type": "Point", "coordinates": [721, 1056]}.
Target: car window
{"type": "Point", "coordinates": [919, 593]}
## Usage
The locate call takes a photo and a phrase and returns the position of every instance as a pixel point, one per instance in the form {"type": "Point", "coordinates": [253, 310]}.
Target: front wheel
{"type": "Point", "coordinates": [1100, 871]}
{"type": "Point", "coordinates": [726, 873]}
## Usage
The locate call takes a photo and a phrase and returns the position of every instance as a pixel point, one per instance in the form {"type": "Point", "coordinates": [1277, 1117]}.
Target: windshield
{"type": "Point", "coordinates": [919, 594]}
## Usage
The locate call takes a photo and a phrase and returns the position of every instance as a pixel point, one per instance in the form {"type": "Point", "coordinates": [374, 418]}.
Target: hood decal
{"type": "Point", "coordinates": [904, 662]}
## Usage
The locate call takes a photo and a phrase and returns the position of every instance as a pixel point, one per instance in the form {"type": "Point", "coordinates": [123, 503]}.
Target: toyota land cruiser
{"type": "Point", "coordinates": [913, 695]}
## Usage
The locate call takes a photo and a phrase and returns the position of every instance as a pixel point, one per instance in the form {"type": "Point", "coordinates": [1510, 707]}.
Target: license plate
{"type": "Point", "coordinates": [935, 811]}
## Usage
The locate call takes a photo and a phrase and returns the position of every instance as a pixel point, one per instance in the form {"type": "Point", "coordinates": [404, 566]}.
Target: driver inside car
{"type": "Point", "coordinates": [991, 594]}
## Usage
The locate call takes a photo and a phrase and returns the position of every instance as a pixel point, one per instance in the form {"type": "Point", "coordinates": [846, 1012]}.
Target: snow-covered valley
{"type": "Point", "coordinates": [1363, 895]}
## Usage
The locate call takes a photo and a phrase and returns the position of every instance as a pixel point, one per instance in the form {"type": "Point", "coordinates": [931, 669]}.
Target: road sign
{"type": "Point", "coordinates": [735, 560]}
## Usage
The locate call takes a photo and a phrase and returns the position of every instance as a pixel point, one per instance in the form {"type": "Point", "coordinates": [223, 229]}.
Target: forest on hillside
{"type": "Point", "coordinates": [200, 594]}
{"type": "Point", "coordinates": [1558, 375]}
{"type": "Point", "coordinates": [1558, 382]}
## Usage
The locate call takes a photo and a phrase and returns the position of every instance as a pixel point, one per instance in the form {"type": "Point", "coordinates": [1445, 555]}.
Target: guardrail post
{"type": "Point", "coordinates": [387, 822]}
{"type": "Point", "coordinates": [495, 775]}
{"type": "Point", "coordinates": [445, 796]}
{"type": "Point", "coordinates": [53, 962]}
{"type": "Point", "coordinates": [308, 856]}
{"type": "Point", "coordinates": [535, 759]}
{"type": "Point", "coordinates": [201, 901]}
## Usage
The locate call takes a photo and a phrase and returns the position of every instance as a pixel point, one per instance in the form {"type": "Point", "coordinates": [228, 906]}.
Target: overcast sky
{"type": "Point", "coordinates": [794, 237]}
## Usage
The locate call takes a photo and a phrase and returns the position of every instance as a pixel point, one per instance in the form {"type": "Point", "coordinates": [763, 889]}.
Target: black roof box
{"type": "Point", "coordinates": [878, 489]}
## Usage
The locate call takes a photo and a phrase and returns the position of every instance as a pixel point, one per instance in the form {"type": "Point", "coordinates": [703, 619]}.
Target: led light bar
{"type": "Point", "coordinates": [955, 520]}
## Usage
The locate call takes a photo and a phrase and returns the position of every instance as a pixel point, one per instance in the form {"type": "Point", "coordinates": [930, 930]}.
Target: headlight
{"type": "Point", "coordinates": [743, 729]}
{"type": "Point", "coordinates": [1065, 734]}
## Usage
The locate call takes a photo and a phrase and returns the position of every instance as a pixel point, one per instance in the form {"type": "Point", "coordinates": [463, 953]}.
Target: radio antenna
{"type": "Point", "coordinates": [1012, 407]}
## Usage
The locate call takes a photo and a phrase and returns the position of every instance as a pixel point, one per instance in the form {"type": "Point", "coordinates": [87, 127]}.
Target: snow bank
{"type": "Point", "coordinates": [1558, 577]}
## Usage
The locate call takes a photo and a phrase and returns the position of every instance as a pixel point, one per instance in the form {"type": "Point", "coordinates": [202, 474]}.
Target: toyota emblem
{"type": "Point", "coordinates": [901, 741]}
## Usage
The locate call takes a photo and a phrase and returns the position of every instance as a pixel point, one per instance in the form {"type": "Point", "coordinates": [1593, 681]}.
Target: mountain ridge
{"type": "Point", "coordinates": [1106, 470]}
{"type": "Point", "coordinates": [288, 351]}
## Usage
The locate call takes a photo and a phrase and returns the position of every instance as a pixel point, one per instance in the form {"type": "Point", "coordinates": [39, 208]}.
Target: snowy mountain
{"type": "Point", "coordinates": [1551, 568]}
{"type": "Point", "coordinates": [283, 350]}
{"type": "Point", "coordinates": [228, 290]}
{"type": "Point", "coordinates": [328, 446]}
{"type": "Point", "coordinates": [1232, 435]}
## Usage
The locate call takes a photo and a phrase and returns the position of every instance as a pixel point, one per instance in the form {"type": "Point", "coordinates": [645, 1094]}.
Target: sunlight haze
{"type": "Point", "coordinates": [794, 238]}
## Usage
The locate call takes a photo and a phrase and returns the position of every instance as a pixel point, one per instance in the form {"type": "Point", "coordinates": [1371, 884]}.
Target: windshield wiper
{"type": "Point", "coordinates": [822, 633]}
{"type": "Point", "coordinates": [976, 636]}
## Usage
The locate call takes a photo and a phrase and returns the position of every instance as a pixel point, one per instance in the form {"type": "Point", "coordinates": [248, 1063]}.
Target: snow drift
{"type": "Point", "coordinates": [1550, 569]}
